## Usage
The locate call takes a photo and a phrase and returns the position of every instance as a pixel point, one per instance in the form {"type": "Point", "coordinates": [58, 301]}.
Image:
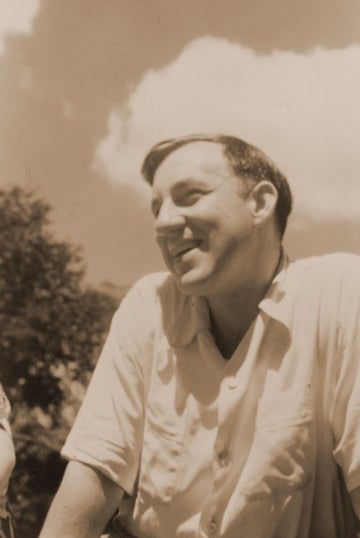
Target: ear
{"type": "Point", "coordinates": [264, 196]}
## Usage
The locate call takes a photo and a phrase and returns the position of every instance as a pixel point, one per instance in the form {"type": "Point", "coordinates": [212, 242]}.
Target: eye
{"type": "Point", "coordinates": [191, 196]}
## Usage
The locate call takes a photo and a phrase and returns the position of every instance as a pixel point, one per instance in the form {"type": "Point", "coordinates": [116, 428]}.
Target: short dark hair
{"type": "Point", "coordinates": [247, 161]}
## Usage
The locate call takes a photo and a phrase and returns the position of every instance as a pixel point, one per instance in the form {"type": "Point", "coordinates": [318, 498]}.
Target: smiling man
{"type": "Point", "coordinates": [226, 401]}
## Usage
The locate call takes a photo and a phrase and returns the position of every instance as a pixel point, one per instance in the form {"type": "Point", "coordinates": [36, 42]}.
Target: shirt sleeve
{"type": "Point", "coordinates": [346, 403]}
{"type": "Point", "coordinates": [108, 431]}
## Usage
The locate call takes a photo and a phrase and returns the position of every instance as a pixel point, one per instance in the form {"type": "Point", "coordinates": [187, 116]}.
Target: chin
{"type": "Point", "coordinates": [193, 283]}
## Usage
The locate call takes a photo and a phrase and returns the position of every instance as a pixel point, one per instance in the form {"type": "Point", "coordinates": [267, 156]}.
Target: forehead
{"type": "Point", "coordinates": [194, 160]}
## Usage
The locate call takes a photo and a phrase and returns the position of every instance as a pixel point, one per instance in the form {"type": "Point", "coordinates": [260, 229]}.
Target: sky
{"type": "Point", "coordinates": [87, 88]}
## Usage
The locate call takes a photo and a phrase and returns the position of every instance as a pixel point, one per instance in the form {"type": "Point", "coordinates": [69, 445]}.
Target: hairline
{"type": "Point", "coordinates": [162, 150]}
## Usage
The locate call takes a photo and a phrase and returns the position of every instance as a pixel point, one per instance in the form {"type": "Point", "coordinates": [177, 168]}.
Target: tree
{"type": "Point", "coordinates": [51, 330]}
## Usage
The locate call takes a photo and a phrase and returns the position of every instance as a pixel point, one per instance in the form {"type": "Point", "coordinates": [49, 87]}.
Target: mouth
{"type": "Point", "coordinates": [178, 250]}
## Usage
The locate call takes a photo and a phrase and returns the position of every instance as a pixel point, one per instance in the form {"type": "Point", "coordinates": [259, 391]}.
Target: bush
{"type": "Point", "coordinates": [52, 327]}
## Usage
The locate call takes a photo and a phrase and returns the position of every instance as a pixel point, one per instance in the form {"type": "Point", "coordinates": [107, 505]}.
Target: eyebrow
{"type": "Point", "coordinates": [185, 183]}
{"type": "Point", "coordinates": [179, 185]}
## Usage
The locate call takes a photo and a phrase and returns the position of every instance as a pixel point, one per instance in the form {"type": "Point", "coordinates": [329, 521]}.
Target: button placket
{"type": "Point", "coordinates": [223, 458]}
{"type": "Point", "coordinates": [232, 382]}
{"type": "Point", "coordinates": [212, 527]}
{"type": "Point", "coordinates": [233, 432]}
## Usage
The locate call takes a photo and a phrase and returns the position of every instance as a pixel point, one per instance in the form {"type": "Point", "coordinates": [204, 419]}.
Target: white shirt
{"type": "Point", "coordinates": [264, 445]}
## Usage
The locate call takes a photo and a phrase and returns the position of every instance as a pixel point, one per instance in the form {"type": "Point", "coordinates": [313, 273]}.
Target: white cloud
{"type": "Point", "coordinates": [16, 17]}
{"type": "Point", "coordinates": [118, 157]}
{"type": "Point", "coordinates": [303, 110]}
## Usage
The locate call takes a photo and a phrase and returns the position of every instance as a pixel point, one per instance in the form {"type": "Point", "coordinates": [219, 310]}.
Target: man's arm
{"type": "Point", "coordinates": [83, 504]}
{"type": "Point", "coordinates": [355, 499]}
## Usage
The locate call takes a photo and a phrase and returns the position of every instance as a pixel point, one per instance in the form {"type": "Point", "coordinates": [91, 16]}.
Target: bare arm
{"type": "Point", "coordinates": [7, 457]}
{"type": "Point", "coordinates": [83, 504]}
{"type": "Point", "coordinates": [355, 499]}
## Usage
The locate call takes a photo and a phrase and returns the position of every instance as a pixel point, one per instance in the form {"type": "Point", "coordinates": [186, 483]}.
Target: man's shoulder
{"type": "Point", "coordinates": [329, 266]}
{"type": "Point", "coordinates": [334, 276]}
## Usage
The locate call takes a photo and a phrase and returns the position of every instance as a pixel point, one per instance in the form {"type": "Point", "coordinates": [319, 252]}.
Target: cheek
{"type": "Point", "coordinates": [238, 226]}
{"type": "Point", "coordinates": [165, 255]}
{"type": "Point", "coordinates": [162, 246]}
{"type": "Point", "coordinates": [230, 238]}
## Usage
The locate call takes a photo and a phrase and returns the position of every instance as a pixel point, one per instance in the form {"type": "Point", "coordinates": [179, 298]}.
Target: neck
{"type": "Point", "coordinates": [233, 312]}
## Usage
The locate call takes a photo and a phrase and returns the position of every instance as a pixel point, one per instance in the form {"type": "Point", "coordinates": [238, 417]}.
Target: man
{"type": "Point", "coordinates": [226, 401]}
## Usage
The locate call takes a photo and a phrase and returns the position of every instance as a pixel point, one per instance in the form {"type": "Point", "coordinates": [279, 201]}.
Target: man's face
{"type": "Point", "coordinates": [204, 224]}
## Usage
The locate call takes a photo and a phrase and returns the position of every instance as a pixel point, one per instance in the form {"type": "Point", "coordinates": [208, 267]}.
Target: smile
{"type": "Point", "coordinates": [180, 249]}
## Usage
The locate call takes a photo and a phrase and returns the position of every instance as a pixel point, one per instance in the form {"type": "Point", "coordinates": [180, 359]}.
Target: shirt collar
{"type": "Point", "coordinates": [194, 316]}
{"type": "Point", "coordinates": [278, 302]}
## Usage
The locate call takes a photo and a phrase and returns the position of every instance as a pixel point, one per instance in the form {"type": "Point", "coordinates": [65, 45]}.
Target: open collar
{"type": "Point", "coordinates": [193, 314]}
{"type": "Point", "coordinates": [278, 302]}
{"type": "Point", "coordinates": [193, 318]}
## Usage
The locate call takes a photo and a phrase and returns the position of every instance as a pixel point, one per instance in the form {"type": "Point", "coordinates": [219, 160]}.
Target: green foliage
{"type": "Point", "coordinates": [51, 330]}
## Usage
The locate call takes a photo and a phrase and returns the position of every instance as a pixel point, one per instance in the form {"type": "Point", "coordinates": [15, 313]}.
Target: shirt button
{"type": "Point", "coordinates": [223, 458]}
{"type": "Point", "coordinates": [212, 526]}
{"type": "Point", "coordinates": [232, 383]}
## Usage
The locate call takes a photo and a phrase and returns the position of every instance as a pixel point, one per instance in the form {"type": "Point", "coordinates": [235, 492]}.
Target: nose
{"type": "Point", "coordinates": [169, 218]}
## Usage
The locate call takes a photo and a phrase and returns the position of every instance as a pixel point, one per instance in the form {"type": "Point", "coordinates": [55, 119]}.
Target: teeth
{"type": "Point", "coordinates": [185, 250]}
{"type": "Point", "coordinates": [182, 249]}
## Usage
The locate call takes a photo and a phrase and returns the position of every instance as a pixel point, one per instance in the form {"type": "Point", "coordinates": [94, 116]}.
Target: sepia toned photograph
{"type": "Point", "coordinates": [180, 269]}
